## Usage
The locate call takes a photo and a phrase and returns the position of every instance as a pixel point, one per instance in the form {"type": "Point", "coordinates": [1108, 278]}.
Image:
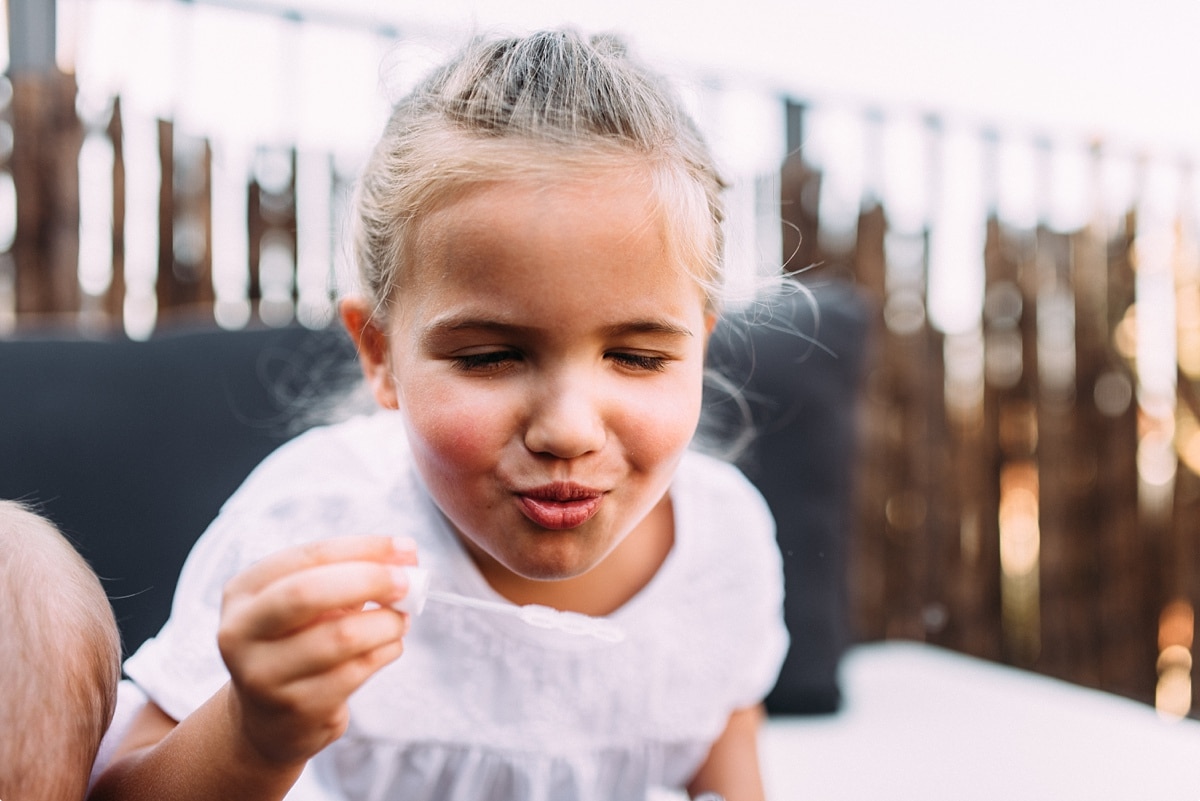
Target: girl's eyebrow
{"type": "Point", "coordinates": [454, 324]}
{"type": "Point", "coordinates": [655, 327]}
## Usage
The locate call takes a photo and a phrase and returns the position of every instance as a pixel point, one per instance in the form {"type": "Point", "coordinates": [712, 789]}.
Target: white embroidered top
{"type": "Point", "coordinates": [483, 706]}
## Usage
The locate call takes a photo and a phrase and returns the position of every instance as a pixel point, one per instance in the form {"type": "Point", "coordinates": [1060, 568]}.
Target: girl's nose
{"type": "Point", "coordinates": [565, 421]}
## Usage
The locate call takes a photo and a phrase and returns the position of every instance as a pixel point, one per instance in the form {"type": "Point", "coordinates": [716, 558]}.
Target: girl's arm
{"type": "Point", "coordinates": [200, 758]}
{"type": "Point", "coordinates": [732, 768]}
{"type": "Point", "coordinates": [297, 641]}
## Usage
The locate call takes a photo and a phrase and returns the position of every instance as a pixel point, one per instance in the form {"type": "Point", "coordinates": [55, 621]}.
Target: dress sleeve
{"type": "Point", "coordinates": [764, 635]}
{"type": "Point", "coordinates": [736, 577]}
{"type": "Point", "coordinates": [309, 489]}
{"type": "Point", "coordinates": [180, 668]}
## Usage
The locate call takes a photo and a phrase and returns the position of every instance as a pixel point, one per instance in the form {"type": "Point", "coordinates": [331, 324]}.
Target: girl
{"type": "Point", "coordinates": [539, 242]}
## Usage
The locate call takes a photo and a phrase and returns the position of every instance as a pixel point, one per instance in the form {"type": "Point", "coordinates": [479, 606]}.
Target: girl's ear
{"type": "Point", "coordinates": [710, 322]}
{"type": "Point", "coordinates": [372, 344]}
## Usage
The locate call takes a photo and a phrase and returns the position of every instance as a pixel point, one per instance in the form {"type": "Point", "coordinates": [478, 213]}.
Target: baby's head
{"type": "Point", "coordinates": [548, 107]}
{"type": "Point", "coordinates": [60, 657]}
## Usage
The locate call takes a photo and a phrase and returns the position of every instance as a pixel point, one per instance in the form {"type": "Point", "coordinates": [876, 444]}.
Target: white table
{"type": "Point", "coordinates": [923, 723]}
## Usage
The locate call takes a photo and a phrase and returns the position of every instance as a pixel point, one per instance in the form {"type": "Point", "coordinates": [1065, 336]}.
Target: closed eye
{"type": "Point", "coordinates": [639, 361]}
{"type": "Point", "coordinates": [486, 362]}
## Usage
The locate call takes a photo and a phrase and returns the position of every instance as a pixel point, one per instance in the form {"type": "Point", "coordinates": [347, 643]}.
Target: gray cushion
{"type": "Point", "coordinates": [801, 402]}
{"type": "Point", "coordinates": [131, 447]}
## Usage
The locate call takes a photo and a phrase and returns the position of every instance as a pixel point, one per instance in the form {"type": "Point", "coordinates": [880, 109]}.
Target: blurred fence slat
{"type": "Point", "coordinates": [46, 138]}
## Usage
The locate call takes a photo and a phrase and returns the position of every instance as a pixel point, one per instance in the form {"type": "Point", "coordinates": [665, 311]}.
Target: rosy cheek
{"type": "Point", "coordinates": [658, 425]}
{"type": "Point", "coordinates": [449, 444]}
{"type": "Point", "coordinates": [454, 435]}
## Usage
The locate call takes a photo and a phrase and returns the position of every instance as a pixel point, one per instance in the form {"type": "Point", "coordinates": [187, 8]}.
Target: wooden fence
{"type": "Point", "coordinates": [42, 272]}
{"type": "Point", "coordinates": [1026, 494]}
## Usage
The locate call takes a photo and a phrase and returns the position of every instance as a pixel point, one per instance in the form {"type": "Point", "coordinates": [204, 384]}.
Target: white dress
{"type": "Point", "coordinates": [481, 706]}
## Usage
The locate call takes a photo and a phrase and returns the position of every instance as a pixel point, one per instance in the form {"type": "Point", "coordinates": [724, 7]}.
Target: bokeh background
{"type": "Point", "coordinates": [1010, 187]}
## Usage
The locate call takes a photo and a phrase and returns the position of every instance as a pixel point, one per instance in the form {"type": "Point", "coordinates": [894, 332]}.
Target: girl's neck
{"type": "Point", "coordinates": [606, 587]}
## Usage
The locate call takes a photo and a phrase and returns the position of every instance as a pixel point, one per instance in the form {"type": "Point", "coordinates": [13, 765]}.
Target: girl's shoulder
{"type": "Point", "coordinates": [711, 482]}
{"type": "Point", "coordinates": [352, 477]}
{"type": "Point", "coordinates": [721, 517]}
{"type": "Point", "coordinates": [346, 457]}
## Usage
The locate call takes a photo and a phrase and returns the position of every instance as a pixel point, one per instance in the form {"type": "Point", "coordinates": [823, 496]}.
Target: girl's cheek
{"type": "Point", "coordinates": [465, 442]}
{"type": "Point", "coordinates": [665, 419]}
{"type": "Point", "coordinates": [453, 430]}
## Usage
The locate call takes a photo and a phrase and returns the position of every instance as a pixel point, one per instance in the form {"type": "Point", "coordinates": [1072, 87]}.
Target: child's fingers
{"type": "Point", "coordinates": [324, 646]}
{"type": "Point", "coordinates": [321, 697]}
{"type": "Point", "coordinates": [368, 548]}
{"type": "Point", "coordinates": [297, 717]}
{"type": "Point", "coordinates": [299, 598]}
{"type": "Point", "coordinates": [266, 667]}
{"type": "Point", "coordinates": [346, 677]}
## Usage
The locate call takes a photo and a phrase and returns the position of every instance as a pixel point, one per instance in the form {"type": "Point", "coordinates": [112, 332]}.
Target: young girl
{"type": "Point", "coordinates": [539, 242]}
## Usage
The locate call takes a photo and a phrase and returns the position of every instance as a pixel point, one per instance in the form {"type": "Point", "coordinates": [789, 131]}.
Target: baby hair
{"type": "Point", "coordinates": [60, 655]}
{"type": "Point", "coordinates": [547, 106]}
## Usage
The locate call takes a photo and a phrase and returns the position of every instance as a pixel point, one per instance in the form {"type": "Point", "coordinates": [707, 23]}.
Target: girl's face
{"type": "Point", "coordinates": [547, 358]}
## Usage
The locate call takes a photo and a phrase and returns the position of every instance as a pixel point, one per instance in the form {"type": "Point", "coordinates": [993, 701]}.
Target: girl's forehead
{"type": "Point", "coordinates": [566, 249]}
{"type": "Point", "coordinates": [580, 209]}
{"type": "Point", "coordinates": [631, 179]}
{"type": "Point", "coordinates": [533, 221]}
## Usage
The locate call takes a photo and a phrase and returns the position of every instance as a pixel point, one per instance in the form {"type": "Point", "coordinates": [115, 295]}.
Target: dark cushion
{"type": "Point", "coordinates": [132, 447]}
{"type": "Point", "coordinates": [798, 363]}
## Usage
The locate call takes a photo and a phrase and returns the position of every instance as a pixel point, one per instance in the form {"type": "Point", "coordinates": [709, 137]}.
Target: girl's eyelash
{"type": "Point", "coordinates": [495, 360]}
{"type": "Point", "coordinates": [640, 361]}
{"type": "Point", "coordinates": [484, 361]}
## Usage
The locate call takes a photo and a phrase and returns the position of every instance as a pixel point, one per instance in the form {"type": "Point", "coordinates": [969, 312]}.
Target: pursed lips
{"type": "Point", "coordinates": [560, 505]}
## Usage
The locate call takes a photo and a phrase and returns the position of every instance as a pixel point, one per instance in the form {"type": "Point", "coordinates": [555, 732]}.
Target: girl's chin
{"type": "Point", "coordinates": [526, 551]}
{"type": "Point", "coordinates": [548, 569]}
{"type": "Point", "coordinates": [544, 561]}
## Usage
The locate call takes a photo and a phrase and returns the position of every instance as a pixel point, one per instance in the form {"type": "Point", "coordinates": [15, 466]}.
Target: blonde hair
{"type": "Point", "coordinates": [60, 654]}
{"type": "Point", "coordinates": [536, 107]}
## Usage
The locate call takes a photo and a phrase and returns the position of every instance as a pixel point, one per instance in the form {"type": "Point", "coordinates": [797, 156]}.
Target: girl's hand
{"type": "Point", "coordinates": [297, 640]}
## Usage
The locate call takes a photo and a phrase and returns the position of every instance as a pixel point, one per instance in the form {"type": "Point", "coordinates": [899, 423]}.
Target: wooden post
{"type": "Point", "coordinates": [47, 136]}
{"type": "Point", "coordinates": [272, 222]}
{"type": "Point", "coordinates": [115, 299]}
{"type": "Point", "coordinates": [46, 140]}
{"type": "Point", "coordinates": [166, 283]}
{"type": "Point", "coordinates": [185, 225]}
{"type": "Point", "coordinates": [799, 190]}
